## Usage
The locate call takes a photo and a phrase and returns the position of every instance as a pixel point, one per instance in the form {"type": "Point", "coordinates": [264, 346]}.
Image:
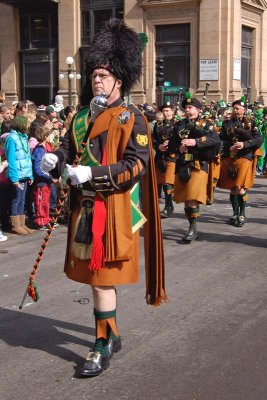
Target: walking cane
{"type": "Point", "coordinates": [97, 106]}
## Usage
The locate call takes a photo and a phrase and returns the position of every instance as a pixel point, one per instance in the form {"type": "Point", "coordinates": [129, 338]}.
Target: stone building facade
{"type": "Point", "coordinates": [220, 42]}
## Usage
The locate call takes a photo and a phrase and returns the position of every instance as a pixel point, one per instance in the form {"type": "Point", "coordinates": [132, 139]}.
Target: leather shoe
{"type": "Point", "coordinates": [240, 221]}
{"type": "Point", "coordinates": [114, 346]}
{"type": "Point", "coordinates": [190, 235]}
{"type": "Point", "coordinates": [233, 220]}
{"type": "Point", "coordinates": [95, 364]}
{"type": "Point", "coordinates": [166, 212]}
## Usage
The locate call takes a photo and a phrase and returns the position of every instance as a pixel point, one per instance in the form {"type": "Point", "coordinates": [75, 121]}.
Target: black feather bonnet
{"type": "Point", "coordinates": [117, 48]}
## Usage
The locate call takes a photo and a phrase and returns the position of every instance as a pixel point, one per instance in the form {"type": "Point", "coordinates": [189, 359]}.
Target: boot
{"type": "Point", "coordinates": [23, 226]}
{"type": "Point", "coordinates": [16, 228]}
{"type": "Point", "coordinates": [192, 215]}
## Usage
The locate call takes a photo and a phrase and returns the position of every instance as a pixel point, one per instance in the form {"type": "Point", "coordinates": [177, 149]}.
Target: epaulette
{"type": "Point", "coordinates": [134, 110]}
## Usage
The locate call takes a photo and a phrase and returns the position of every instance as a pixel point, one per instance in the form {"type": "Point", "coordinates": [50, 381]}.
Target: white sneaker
{"type": "Point", "coordinates": [2, 238]}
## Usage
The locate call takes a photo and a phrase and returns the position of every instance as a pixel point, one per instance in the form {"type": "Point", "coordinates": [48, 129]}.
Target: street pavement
{"type": "Point", "coordinates": [207, 343]}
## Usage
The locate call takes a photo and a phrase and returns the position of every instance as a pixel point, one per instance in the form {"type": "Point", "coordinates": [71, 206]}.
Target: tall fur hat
{"type": "Point", "coordinates": [117, 48]}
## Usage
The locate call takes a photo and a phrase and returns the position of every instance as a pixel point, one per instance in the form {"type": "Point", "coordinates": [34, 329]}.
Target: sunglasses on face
{"type": "Point", "coordinates": [101, 76]}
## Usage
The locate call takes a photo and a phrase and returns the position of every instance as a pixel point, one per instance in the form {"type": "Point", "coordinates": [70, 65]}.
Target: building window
{"type": "Point", "coordinates": [246, 55]}
{"type": "Point", "coordinates": [38, 31]}
{"type": "Point", "coordinates": [173, 46]}
{"type": "Point", "coordinates": [94, 16]}
{"type": "Point", "coordinates": [100, 18]}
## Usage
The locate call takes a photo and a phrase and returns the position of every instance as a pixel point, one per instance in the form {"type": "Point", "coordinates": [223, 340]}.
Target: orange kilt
{"type": "Point", "coordinates": [194, 189]}
{"type": "Point", "coordinates": [116, 273]}
{"type": "Point", "coordinates": [213, 177]}
{"type": "Point", "coordinates": [167, 177]}
{"type": "Point", "coordinates": [244, 177]}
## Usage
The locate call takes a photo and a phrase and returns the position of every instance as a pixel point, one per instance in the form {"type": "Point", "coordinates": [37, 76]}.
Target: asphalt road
{"type": "Point", "coordinates": [208, 343]}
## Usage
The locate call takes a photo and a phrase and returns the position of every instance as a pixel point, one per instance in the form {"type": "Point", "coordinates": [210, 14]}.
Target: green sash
{"type": "Point", "coordinates": [80, 125]}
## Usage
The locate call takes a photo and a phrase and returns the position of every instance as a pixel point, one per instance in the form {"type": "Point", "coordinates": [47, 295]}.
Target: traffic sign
{"type": "Point", "coordinates": [174, 89]}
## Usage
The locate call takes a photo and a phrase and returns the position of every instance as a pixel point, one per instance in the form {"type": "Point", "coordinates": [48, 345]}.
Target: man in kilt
{"type": "Point", "coordinates": [194, 142]}
{"type": "Point", "coordinates": [103, 234]}
{"type": "Point", "coordinates": [164, 160]}
{"type": "Point", "coordinates": [241, 139]}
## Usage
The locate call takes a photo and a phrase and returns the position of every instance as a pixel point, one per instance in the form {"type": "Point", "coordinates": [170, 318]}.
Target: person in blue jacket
{"type": "Point", "coordinates": [42, 180]}
{"type": "Point", "coordinates": [19, 171]}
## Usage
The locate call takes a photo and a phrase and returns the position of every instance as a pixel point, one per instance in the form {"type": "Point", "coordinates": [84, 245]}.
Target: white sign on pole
{"type": "Point", "coordinates": [209, 70]}
{"type": "Point", "coordinates": [237, 69]}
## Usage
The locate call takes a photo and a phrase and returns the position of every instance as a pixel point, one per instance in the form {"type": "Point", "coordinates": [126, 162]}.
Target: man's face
{"type": "Point", "coordinates": [104, 82]}
{"type": "Point", "coordinates": [168, 113]}
{"type": "Point", "coordinates": [227, 114]}
{"type": "Point", "coordinates": [239, 110]}
{"type": "Point", "coordinates": [191, 111]}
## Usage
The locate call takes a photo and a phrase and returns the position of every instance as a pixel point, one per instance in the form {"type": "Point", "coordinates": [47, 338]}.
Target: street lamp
{"type": "Point", "coordinates": [70, 75]}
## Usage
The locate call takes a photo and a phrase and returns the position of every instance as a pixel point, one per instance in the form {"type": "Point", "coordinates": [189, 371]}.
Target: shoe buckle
{"type": "Point", "coordinates": [93, 356]}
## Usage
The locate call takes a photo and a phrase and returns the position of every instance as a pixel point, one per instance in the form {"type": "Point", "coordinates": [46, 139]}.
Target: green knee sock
{"type": "Point", "coordinates": [168, 195]}
{"type": "Point", "coordinates": [242, 200]}
{"type": "Point", "coordinates": [235, 205]}
{"type": "Point", "coordinates": [104, 322]}
{"type": "Point", "coordinates": [193, 214]}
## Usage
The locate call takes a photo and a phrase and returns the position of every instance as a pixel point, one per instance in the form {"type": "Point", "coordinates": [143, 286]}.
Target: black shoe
{"type": "Point", "coordinates": [240, 222]}
{"type": "Point", "coordinates": [114, 346]}
{"type": "Point", "coordinates": [233, 220]}
{"type": "Point", "coordinates": [190, 235]}
{"type": "Point", "coordinates": [95, 364]}
{"type": "Point", "coordinates": [166, 212]}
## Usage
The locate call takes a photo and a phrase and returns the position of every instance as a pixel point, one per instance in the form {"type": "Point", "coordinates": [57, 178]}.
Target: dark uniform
{"type": "Point", "coordinates": [192, 167]}
{"type": "Point", "coordinates": [238, 168]}
{"type": "Point", "coordinates": [165, 163]}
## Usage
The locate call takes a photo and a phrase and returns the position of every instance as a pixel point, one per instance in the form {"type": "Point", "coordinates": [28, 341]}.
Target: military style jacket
{"type": "Point", "coordinates": [240, 130]}
{"type": "Point", "coordinates": [162, 131]}
{"type": "Point", "coordinates": [118, 176]}
{"type": "Point", "coordinates": [207, 141]}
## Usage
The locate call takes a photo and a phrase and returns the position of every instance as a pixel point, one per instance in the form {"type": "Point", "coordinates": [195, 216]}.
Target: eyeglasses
{"type": "Point", "coordinates": [102, 77]}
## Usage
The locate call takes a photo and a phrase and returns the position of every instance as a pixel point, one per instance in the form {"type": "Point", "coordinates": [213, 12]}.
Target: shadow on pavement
{"type": "Point", "coordinates": [18, 329]}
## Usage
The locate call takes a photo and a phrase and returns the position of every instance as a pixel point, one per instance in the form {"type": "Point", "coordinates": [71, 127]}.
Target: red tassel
{"type": "Point", "coordinates": [97, 258]}
{"type": "Point", "coordinates": [31, 292]}
{"type": "Point", "coordinates": [98, 229]}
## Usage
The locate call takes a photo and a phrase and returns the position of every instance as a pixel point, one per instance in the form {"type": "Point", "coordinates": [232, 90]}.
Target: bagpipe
{"type": "Point", "coordinates": [240, 132]}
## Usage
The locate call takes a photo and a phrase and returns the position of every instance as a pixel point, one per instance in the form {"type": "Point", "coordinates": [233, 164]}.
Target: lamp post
{"type": "Point", "coordinates": [71, 74]}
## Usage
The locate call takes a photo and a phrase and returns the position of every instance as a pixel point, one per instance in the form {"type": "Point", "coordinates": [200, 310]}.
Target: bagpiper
{"type": "Point", "coordinates": [240, 139]}
{"type": "Point", "coordinates": [194, 142]}
{"type": "Point", "coordinates": [164, 159]}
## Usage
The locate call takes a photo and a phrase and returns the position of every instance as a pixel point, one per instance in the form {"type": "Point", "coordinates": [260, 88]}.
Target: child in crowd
{"type": "Point", "coordinates": [42, 180]}
{"type": "Point", "coordinates": [5, 184]}
{"type": "Point", "coordinates": [19, 171]}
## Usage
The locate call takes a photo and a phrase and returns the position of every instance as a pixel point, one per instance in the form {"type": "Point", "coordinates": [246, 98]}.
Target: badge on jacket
{"type": "Point", "coordinates": [142, 139]}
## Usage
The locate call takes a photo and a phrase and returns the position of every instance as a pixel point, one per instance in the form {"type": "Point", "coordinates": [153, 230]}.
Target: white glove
{"type": "Point", "coordinates": [48, 162]}
{"type": "Point", "coordinates": [79, 174]}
